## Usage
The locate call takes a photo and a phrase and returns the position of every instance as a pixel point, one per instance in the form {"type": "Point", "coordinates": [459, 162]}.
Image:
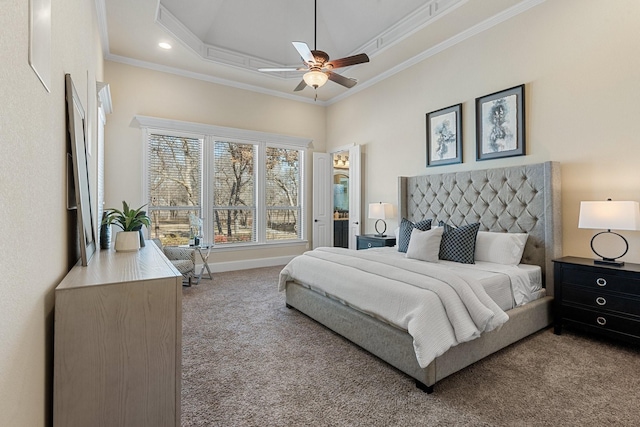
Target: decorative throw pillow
{"type": "Point", "coordinates": [500, 248]}
{"type": "Point", "coordinates": [425, 245]}
{"type": "Point", "coordinates": [459, 244]}
{"type": "Point", "coordinates": [406, 227]}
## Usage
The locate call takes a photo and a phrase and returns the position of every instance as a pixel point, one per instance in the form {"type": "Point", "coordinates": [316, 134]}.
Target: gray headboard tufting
{"type": "Point", "coordinates": [515, 199]}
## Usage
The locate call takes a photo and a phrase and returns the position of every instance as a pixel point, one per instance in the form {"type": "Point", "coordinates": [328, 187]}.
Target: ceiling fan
{"type": "Point", "coordinates": [317, 65]}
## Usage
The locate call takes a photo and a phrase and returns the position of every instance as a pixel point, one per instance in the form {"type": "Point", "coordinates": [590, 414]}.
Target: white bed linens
{"type": "Point", "coordinates": [436, 306]}
{"type": "Point", "coordinates": [526, 280]}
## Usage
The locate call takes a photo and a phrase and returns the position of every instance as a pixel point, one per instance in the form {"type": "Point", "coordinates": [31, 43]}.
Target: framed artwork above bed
{"type": "Point", "coordinates": [444, 136]}
{"type": "Point", "coordinates": [500, 122]}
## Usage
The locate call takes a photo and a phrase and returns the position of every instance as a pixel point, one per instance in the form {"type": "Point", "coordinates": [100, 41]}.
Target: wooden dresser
{"type": "Point", "coordinates": [597, 298]}
{"type": "Point", "coordinates": [118, 342]}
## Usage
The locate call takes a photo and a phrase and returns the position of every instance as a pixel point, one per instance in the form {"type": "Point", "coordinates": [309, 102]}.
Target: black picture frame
{"type": "Point", "coordinates": [500, 124]}
{"type": "Point", "coordinates": [82, 191]}
{"type": "Point", "coordinates": [444, 136]}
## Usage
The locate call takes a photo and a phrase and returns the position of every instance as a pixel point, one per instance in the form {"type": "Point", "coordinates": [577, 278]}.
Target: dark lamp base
{"type": "Point", "coordinates": [611, 263]}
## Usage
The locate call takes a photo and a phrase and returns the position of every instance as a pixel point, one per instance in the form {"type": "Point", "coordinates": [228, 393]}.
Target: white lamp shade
{"type": "Point", "coordinates": [315, 78]}
{"type": "Point", "coordinates": [610, 215]}
{"type": "Point", "coordinates": [380, 210]}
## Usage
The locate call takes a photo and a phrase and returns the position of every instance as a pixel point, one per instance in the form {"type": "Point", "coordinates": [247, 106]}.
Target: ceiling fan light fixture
{"type": "Point", "coordinates": [315, 78]}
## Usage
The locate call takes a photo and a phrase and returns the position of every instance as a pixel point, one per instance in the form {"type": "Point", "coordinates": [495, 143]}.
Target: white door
{"type": "Point", "coordinates": [322, 200]}
{"type": "Point", "coordinates": [355, 188]}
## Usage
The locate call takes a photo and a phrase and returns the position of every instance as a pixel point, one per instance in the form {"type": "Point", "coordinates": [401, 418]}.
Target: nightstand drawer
{"type": "Point", "coordinates": [601, 280]}
{"type": "Point", "coordinates": [601, 300]}
{"type": "Point", "coordinates": [367, 241]}
{"type": "Point", "coordinates": [605, 321]}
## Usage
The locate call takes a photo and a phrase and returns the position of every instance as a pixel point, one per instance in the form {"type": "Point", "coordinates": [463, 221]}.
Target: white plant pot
{"type": "Point", "coordinates": [127, 241]}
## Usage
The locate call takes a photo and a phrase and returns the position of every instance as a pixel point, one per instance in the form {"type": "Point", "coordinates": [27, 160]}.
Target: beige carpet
{"type": "Point", "coordinates": [250, 361]}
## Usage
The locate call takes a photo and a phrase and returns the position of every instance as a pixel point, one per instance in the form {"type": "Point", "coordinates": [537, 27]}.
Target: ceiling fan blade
{"type": "Point", "coordinates": [304, 52]}
{"type": "Point", "coordinates": [349, 60]}
{"type": "Point", "coordinates": [341, 80]}
{"type": "Point", "coordinates": [300, 86]}
{"type": "Point", "coordinates": [281, 69]}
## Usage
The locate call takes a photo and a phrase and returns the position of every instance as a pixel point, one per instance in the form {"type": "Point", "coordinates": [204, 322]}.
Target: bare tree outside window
{"type": "Point", "coordinates": [174, 186]}
{"type": "Point", "coordinates": [234, 192]}
{"type": "Point", "coordinates": [282, 193]}
{"type": "Point", "coordinates": [246, 202]}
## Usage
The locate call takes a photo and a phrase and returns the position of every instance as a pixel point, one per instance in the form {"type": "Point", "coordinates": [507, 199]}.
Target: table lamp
{"type": "Point", "coordinates": [610, 215]}
{"type": "Point", "coordinates": [380, 211]}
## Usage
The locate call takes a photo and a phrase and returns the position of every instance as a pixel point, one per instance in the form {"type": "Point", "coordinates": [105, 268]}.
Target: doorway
{"type": "Point", "coordinates": [340, 163]}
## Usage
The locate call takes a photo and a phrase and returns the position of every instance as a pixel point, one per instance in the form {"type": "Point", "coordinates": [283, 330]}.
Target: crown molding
{"type": "Point", "coordinates": [458, 38]}
{"type": "Point", "coordinates": [207, 78]}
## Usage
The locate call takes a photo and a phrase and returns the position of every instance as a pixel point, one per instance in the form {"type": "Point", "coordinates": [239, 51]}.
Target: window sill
{"type": "Point", "coordinates": [258, 246]}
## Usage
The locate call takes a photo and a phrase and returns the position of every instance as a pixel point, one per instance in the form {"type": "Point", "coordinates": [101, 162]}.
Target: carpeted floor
{"type": "Point", "coordinates": [250, 361]}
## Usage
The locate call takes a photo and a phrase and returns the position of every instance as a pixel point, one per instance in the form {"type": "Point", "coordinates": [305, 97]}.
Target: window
{"type": "Point", "coordinates": [282, 194]}
{"type": "Point", "coordinates": [174, 186]}
{"type": "Point", "coordinates": [245, 185]}
{"type": "Point", "coordinates": [234, 195]}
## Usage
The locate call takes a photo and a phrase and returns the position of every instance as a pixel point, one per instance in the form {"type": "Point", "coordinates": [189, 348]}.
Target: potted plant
{"type": "Point", "coordinates": [131, 221]}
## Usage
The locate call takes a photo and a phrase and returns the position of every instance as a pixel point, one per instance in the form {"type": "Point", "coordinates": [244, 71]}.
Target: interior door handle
{"type": "Point", "coordinates": [356, 223]}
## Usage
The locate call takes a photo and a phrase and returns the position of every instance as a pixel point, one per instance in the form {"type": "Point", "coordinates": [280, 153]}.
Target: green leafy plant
{"type": "Point", "coordinates": [127, 219]}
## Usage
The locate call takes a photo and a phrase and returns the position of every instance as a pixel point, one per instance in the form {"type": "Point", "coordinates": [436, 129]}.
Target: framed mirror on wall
{"type": "Point", "coordinates": [81, 196]}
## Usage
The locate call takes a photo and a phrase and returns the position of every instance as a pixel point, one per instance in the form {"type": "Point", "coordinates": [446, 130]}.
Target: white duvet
{"type": "Point", "coordinates": [436, 306]}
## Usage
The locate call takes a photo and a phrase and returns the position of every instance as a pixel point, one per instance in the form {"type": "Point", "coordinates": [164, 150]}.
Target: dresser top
{"type": "Point", "coordinates": [108, 267]}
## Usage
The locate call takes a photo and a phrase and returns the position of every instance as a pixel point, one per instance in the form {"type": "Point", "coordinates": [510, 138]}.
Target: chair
{"type": "Point", "coordinates": [183, 259]}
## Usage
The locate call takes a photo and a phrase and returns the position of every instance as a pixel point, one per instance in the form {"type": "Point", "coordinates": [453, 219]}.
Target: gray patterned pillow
{"type": "Point", "coordinates": [406, 227]}
{"type": "Point", "coordinates": [459, 244]}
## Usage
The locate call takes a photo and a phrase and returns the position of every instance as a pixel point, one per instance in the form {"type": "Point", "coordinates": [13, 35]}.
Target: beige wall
{"type": "Point", "coordinates": [34, 222]}
{"type": "Point", "coordinates": [580, 63]}
{"type": "Point", "coordinates": [137, 91]}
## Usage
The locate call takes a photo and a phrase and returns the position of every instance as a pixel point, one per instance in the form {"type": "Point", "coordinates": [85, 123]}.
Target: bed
{"type": "Point", "coordinates": [520, 199]}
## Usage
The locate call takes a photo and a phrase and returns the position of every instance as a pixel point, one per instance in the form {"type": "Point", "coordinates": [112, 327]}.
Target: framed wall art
{"type": "Point", "coordinates": [444, 136]}
{"type": "Point", "coordinates": [500, 122]}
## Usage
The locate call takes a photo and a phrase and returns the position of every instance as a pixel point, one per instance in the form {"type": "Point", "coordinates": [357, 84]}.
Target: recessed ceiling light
{"type": "Point", "coordinates": [164, 45]}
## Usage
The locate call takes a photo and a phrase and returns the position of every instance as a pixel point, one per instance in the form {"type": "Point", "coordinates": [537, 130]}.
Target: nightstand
{"type": "Point", "coordinates": [367, 241]}
{"type": "Point", "coordinates": [597, 298]}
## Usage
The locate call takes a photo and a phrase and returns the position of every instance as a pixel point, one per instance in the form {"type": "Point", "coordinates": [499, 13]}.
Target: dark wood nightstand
{"type": "Point", "coordinates": [367, 241]}
{"type": "Point", "coordinates": [597, 298]}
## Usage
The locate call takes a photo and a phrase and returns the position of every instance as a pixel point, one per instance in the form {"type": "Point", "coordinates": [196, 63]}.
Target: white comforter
{"type": "Point", "coordinates": [437, 307]}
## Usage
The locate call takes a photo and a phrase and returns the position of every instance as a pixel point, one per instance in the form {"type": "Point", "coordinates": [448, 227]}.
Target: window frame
{"type": "Point", "coordinates": [208, 135]}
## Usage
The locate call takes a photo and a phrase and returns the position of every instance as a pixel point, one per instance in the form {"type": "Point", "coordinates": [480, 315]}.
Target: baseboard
{"type": "Point", "coordinates": [219, 267]}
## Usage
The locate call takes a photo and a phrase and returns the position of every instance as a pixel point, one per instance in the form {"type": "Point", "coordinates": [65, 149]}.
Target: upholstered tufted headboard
{"type": "Point", "coordinates": [515, 199]}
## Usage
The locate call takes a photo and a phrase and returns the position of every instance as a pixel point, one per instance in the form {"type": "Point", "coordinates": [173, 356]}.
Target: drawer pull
{"type": "Point", "coordinates": [601, 301]}
{"type": "Point", "coordinates": [601, 321]}
{"type": "Point", "coordinates": [601, 282]}
{"type": "Point", "coordinates": [369, 245]}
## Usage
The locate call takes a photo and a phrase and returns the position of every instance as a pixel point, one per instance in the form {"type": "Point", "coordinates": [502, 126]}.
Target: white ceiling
{"type": "Point", "coordinates": [226, 41]}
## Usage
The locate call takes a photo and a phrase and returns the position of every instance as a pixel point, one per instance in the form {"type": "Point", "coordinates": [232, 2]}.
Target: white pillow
{"type": "Point", "coordinates": [425, 245]}
{"type": "Point", "coordinates": [501, 248]}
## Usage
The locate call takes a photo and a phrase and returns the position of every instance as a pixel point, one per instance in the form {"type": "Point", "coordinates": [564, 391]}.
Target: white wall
{"type": "Point", "coordinates": [35, 234]}
{"type": "Point", "coordinates": [580, 63]}
{"type": "Point", "coordinates": [138, 91]}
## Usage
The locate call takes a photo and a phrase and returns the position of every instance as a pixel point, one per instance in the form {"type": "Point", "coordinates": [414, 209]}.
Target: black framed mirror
{"type": "Point", "coordinates": [82, 193]}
